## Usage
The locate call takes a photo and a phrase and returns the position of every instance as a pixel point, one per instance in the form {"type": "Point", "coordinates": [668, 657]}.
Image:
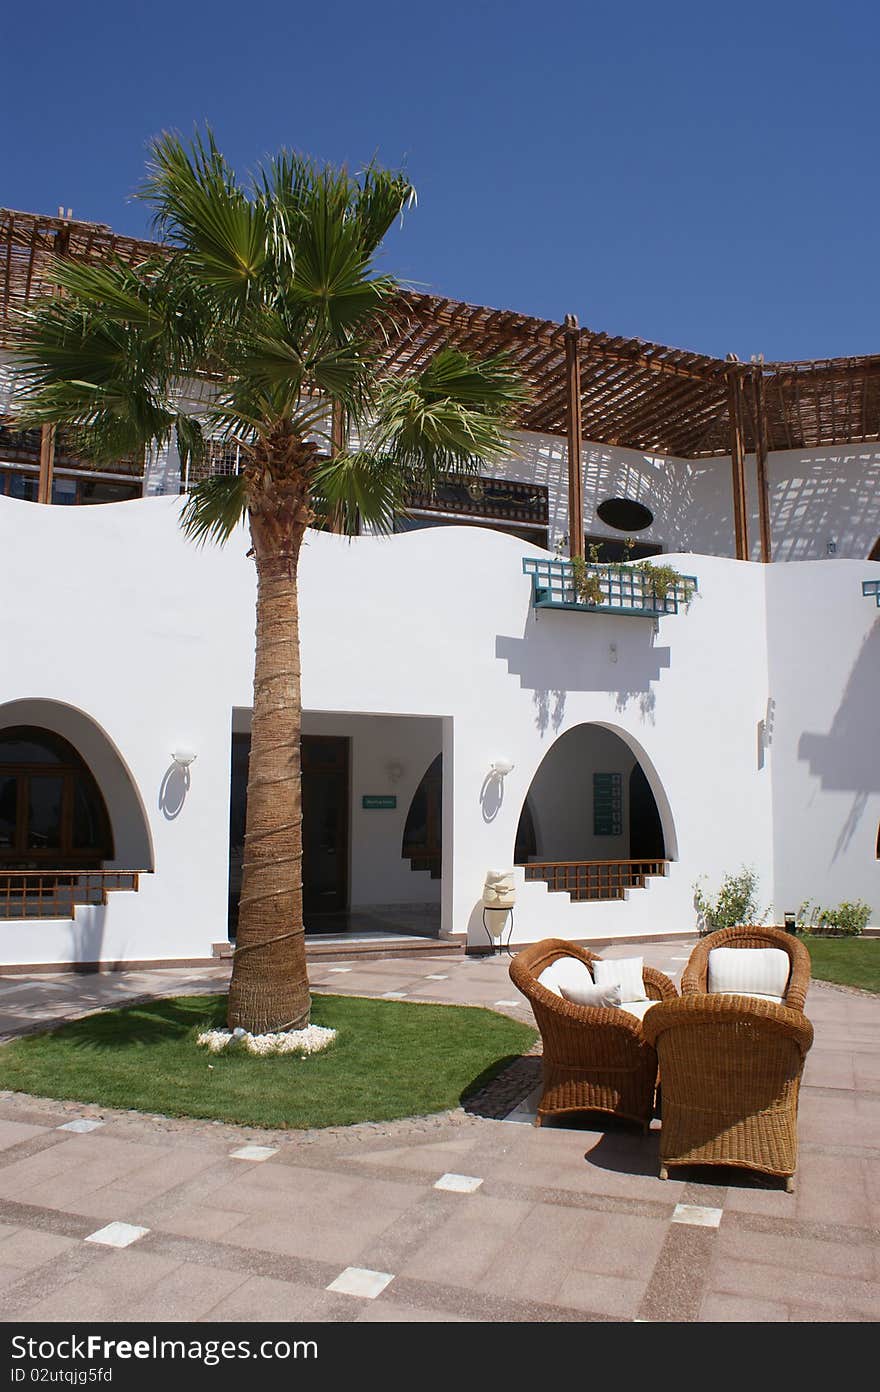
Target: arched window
{"type": "Point", "coordinates": [52, 814]}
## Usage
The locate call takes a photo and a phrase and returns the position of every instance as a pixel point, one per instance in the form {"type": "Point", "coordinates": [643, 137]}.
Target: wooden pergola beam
{"type": "Point", "coordinates": [737, 461]}
{"type": "Point", "coordinates": [761, 452]}
{"type": "Point", "coordinates": [337, 444]}
{"type": "Point", "coordinates": [574, 422]}
{"type": "Point", "coordinates": [47, 463]}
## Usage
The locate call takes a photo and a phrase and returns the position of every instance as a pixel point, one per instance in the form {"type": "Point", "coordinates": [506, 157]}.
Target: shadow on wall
{"type": "Point", "coordinates": [683, 495]}
{"type": "Point", "coordinates": [833, 498]}
{"type": "Point", "coordinates": [555, 656]}
{"type": "Point", "coordinates": [173, 790]}
{"type": "Point", "coordinates": [847, 758]}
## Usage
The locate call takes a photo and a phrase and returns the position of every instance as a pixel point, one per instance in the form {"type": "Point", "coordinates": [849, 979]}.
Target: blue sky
{"type": "Point", "coordinates": [703, 175]}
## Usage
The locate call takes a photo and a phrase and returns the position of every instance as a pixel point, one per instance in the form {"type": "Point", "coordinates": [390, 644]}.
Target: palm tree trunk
{"type": "Point", "coordinates": [269, 988]}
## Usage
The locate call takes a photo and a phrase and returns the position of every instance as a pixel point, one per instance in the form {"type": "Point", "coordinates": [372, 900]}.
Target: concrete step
{"type": "Point", "coordinates": [392, 945]}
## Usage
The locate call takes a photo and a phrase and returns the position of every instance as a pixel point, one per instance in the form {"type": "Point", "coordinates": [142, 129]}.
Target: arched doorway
{"type": "Point", "coordinates": [423, 831]}
{"type": "Point", "coordinates": [590, 824]}
{"type": "Point", "coordinates": [52, 812]}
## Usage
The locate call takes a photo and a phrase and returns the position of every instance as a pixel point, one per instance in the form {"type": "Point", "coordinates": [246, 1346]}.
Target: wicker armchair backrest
{"type": "Point", "coordinates": [694, 980]}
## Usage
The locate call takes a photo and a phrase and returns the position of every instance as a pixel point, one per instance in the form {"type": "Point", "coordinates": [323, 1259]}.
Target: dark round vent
{"type": "Point", "coordinates": [625, 515]}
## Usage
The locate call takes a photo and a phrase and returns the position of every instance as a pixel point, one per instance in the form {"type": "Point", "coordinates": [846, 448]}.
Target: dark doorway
{"type": "Point", "coordinates": [645, 828]}
{"type": "Point", "coordinates": [325, 761]}
{"type": "Point", "coordinates": [325, 825]}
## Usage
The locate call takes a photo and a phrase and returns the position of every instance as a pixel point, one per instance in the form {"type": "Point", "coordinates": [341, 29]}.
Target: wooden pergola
{"type": "Point", "coordinates": [583, 385]}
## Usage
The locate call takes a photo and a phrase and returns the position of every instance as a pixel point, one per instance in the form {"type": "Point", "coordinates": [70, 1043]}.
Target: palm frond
{"type": "Point", "coordinates": [358, 485]}
{"type": "Point", "coordinates": [214, 508]}
{"type": "Point", "coordinates": [199, 208]}
{"type": "Point", "coordinates": [451, 417]}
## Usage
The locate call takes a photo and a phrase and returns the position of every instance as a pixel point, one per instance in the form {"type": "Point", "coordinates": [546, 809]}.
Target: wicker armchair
{"type": "Point", "coordinates": [694, 978]}
{"type": "Point", "coordinates": [731, 1070]}
{"type": "Point", "coordinates": [595, 1059]}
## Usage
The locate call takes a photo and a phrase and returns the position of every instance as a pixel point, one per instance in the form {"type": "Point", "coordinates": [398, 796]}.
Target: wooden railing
{"type": "Point", "coordinates": [594, 879]}
{"type": "Point", "coordinates": [56, 893]}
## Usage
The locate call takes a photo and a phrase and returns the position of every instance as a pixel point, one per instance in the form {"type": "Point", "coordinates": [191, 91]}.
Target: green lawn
{"type": "Point", "coordinates": [390, 1059]}
{"type": "Point", "coordinates": [848, 961]}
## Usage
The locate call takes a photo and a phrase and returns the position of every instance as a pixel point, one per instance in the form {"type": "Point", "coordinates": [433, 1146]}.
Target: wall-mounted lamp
{"type": "Point", "coordinates": [183, 757]}
{"type": "Point", "coordinates": [502, 767]}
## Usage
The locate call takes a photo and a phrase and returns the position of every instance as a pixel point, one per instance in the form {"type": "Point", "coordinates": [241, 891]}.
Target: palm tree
{"type": "Point", "coordinates": [261, 314]}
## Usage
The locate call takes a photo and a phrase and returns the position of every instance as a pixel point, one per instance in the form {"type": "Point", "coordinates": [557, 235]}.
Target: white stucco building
{"type": "Point", "coordinates": [647, 750]}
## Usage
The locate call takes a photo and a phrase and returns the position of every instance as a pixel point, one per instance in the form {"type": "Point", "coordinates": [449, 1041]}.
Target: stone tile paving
{"type": "Point", "coordinates": [460, 1216]}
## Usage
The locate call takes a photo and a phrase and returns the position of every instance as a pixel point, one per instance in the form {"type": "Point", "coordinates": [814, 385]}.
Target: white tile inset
{"type": "Point", "coordinates": [358, 1280]}
{"type": "Point", "coordinates": [337, 970]}
{"type": "Point", "coordinates": [435, 976]}
{"type": "Point", "coordinates": [253, 1152]}
{"type": "Point", "coordinates": [508, 1002]}
{"type": "Point", "coordinates": [81, 1124]}
{"type": "Point", "coordinates": [391, 995]}
{"type": "Point", "coordinates": [117, 1235]}
{"type": "Point", "coordinates": [698, 1216]}
{"type": "Point", "coordinates": [458, 1183]}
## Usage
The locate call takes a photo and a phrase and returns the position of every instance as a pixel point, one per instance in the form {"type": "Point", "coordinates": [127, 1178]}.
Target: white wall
{"type": "Point", "coordinates": [438, 624]}
{"type": "Point", "coordinates": [824, 644]}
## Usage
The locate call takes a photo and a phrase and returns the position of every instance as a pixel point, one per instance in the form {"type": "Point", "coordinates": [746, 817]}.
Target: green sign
{"type": "Point", "coordinates": [607, 804]}
{"type": "Point", "coordinates": [374, 802]}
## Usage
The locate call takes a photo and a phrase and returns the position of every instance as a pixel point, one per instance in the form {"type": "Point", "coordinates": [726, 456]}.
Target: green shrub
{"type": "Point", "coordinates": [735, 903]}
{"type": "Point", "coordinates": [846, 921]}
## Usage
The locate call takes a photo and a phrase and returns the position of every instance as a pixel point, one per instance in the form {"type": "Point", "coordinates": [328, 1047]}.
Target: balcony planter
{"type": "Point", "coordinates": [589, 588]}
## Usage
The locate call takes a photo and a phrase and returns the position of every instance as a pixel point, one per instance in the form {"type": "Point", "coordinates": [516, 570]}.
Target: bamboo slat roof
{"type": "Point", "coordinates": [634, 393]}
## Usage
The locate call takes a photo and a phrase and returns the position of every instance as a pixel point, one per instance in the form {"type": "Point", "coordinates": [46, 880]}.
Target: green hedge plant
{"type": "Point", "coordinates": [847, 920]}
{"type": "Point", "coordinates": [735, 903]}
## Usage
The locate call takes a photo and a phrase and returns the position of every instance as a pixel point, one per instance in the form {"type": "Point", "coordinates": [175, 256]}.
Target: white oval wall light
{"type": "Point", "coordinates": [502, 767]}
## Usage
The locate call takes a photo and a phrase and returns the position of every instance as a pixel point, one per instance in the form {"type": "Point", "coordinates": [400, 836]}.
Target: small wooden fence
{"type": "Point", "coordinates": [56, 893]}
{"type": "Point", "coordinates": [594, 879]}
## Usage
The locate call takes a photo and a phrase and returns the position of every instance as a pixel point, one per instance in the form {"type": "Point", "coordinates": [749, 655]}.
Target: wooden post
{"type": "Point", "coordinates": [737, 460]}
{"type": "Point", "coordinates": [761, 459]}
{"type": "Point", "coordinates": [337, 444]}
{"type": "Point", "coordinates": [47, 463]}
{"type": "Point", "coordinates": [575, 435]}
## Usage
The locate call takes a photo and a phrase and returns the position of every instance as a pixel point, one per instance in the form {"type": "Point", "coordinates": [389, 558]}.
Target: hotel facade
{"type": "Point", "coordinates": [465, 710]}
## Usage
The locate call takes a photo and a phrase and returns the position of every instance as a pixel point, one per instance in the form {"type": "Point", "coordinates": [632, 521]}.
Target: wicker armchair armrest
{"type": "Point", "coordinates": [695, 977]}
{"type": "Point", "coordinates": [697, 1010]}
{"type": "Point", "coordinates": [658, 986]}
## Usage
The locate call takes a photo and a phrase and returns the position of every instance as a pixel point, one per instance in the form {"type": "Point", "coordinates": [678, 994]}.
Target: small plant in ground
{"type": "Point", "coordinates": [847, 920]}
{"type": "Point", "coordinates": [587, 585]}
{"type": "Point", "coordinates": [736, 902]}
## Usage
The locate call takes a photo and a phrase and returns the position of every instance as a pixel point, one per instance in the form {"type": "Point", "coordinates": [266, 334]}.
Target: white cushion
{"type": "Point", "coordinates": [625, 972]}
{"type": "Point", "coordinates": [580, 994]}
{"type": "Point", "coordinates": [745, 971]}
{"type": "Point", "coordinates": [568, 971]}
{"type": "Point", "coordinates": [639, 1008]}
{"type": "Point", "coordinates": [752, 995]}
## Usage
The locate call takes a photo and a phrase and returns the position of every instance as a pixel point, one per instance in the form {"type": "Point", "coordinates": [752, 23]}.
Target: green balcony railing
{"type": "Point", "coordinates": [872, 587]}
{"type": "Point", "coordinates": [623, 589]}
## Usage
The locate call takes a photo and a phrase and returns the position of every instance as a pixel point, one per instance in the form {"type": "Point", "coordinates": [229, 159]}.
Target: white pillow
{"type": "Point", "coordinates": [568, 972]}
{"type": "Point", "coordinates": [747, 971]}
{"type": "Point", "coordinates": [591, 995]}
{"type": "Point", "coordinates": [625, 972]}
{"type": "Point", "coordinates": [639, 1008]}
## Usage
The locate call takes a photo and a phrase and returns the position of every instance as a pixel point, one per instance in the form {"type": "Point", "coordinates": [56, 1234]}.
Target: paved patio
{"type": "Point", "coordinates": [117, 1216]}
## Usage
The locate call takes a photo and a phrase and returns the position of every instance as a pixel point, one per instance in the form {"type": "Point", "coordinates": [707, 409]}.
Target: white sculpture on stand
{"type": "Point", "coordinates": [499, 897]}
